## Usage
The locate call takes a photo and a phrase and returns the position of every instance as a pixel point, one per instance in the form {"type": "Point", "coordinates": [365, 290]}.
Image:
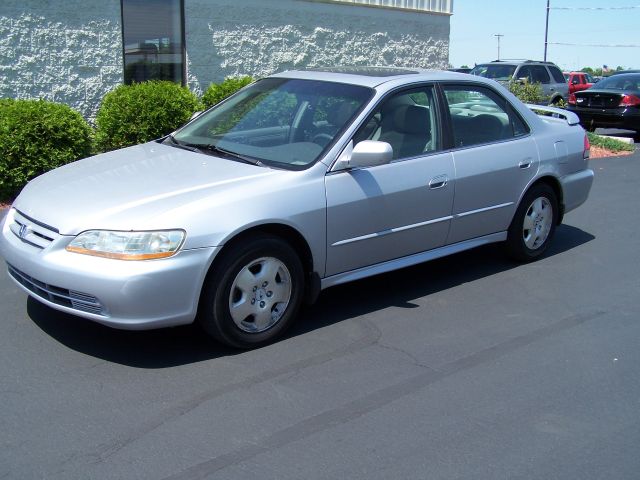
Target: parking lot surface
{"type": "Point", "coordinates": [467, 367]}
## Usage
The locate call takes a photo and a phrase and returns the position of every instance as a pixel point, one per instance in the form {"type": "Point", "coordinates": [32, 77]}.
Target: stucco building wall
{"type": "Point", "coordinates": [255, 37]}
{"type": "Point", "coordinates": [65, 51]}
{"type": "Point", "coordinates": [71, 51]}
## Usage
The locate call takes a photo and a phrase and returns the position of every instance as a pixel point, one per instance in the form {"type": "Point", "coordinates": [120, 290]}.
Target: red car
{"type": "Point", "coordinates": [578, 81]}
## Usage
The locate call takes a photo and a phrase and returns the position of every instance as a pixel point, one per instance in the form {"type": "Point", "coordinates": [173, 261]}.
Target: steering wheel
{"type": "Point", "coordinates": [322, 139]}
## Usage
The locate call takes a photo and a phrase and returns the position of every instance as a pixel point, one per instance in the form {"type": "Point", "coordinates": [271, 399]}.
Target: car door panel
{"type": "Point", "coordinates": [489, 182]}
{"type": "Point", "coordinates": [386, 212]}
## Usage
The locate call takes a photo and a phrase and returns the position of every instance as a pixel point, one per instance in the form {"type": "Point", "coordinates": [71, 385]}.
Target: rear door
{"type": "Point", "coordinates": [495, 159]}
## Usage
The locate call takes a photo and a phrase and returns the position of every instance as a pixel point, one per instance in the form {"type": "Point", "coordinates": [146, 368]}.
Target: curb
{"type": "Point", "coordinates": [627, 140]}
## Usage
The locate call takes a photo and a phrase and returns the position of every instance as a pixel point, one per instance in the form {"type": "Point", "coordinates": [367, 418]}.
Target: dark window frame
{"type": "Point", "coordinates": [182, 40]}
{"type": "Point", "coordinates": [403, 90]}
{"type": "Point", "coordinates": [492, 94]}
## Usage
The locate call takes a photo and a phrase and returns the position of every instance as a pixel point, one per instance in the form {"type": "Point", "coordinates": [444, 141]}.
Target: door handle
{"type": "Point", "coordinates": [438, 182]}
{"type": "Point", "coordinates": [526, 163]}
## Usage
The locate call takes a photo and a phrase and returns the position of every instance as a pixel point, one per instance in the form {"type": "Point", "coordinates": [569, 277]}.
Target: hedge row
{"type": "Point", "coordinates": [37, 136]}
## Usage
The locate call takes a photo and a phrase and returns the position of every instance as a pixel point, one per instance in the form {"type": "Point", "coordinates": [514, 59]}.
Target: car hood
{"type": "Point", "coordinates": [130, 188]}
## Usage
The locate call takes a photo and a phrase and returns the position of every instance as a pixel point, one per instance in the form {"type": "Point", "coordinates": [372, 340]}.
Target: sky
{"type": "Point", "coordinates": [522, 24]}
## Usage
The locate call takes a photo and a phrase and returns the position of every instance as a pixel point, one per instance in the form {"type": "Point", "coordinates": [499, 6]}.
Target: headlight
{"type": "Point", "coordinates": [127, 245]}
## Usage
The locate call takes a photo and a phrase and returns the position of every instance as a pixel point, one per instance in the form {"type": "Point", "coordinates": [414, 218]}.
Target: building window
{"type": "Point", "coordinates": [153, 40]}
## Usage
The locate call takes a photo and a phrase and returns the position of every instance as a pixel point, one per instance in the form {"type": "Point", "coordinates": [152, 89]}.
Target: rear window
{"type": "Point", "coordinates": [557, 74]}
{"type": "Point", "coordinates": [620, 82]}
{"type": "Point", "coordinates": [494, 71]}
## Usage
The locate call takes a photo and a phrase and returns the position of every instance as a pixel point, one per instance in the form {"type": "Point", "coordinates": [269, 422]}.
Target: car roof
{"type": "Point", "coordinates": [517, 61]}
{"type": "Point", "coordinates": [371, 76]}
{"type": "Point", "coordinates": [622, 72]}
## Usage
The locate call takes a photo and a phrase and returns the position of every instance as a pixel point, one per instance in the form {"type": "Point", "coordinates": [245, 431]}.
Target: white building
{"type": "Point", "coordinates": [75, 51]}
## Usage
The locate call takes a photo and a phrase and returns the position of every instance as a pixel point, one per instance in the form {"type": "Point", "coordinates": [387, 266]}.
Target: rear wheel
{"type": "Point", "coordinates": [534, 224]}
{"type": "Point", "coordinates": [253, 294]}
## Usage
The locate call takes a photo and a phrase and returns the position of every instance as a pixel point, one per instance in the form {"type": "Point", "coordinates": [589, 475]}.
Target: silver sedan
{"type": "Point", "coordinates": [299, 182]}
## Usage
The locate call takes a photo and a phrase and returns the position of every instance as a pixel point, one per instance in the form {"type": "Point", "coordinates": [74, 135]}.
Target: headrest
{"type": "Point", "coordinates": [339, 116]}
{"type": "Point", "coordinates": [412, 119]}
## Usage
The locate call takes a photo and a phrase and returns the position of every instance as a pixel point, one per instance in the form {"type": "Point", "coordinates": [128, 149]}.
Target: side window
{"type": "Point", "coordinates": [406, 120]}
{"type": "Point", "coordinates": [540, 74]}
{"type": "Point", "coordinates": [556, 74]}
{"type": "Point", "coordinates": [525, 72]}
{"type": "Point", "coordinates": [480, 116]}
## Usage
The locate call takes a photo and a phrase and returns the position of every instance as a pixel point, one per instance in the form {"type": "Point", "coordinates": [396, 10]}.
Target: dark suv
{"type": "Point", "coordinates": [547, 74]}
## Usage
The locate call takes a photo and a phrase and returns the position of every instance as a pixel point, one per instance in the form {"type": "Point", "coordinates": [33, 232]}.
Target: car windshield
{"type": "Point", "coordinates": [496, 72]}
{"type": "Point", "coordinates": [620, 82]}
{"type": "Point", "coordinates": [279, 122]}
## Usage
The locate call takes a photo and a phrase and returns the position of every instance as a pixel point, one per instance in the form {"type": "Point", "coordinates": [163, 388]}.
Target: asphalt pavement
{"type": "Point", "coordinates": [468, 367]}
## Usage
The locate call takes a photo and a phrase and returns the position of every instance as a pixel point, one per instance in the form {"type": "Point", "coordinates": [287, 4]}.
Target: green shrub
{"type": "Point", "coordinates": [141, 112]}
{"type": "Point", "coordinates": [36, 136]}
{"type": "Point", "coordinates": [219, 91]}
{"type": "Point", "coordinates": [527, 92]}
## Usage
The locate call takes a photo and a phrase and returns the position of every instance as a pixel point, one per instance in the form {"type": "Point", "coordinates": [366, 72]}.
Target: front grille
{"type": "Point", "coordinates": [32, 232]}
{"type": "Point", "coordinates": [60, 296]}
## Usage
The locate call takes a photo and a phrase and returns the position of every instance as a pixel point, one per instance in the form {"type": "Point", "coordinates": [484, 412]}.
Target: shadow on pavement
{"type": "Point", "coordinates": [169, 347]}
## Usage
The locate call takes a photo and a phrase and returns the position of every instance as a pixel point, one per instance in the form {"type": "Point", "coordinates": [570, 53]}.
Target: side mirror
{"type": "Point", "coordinates": [523, 80]}
{"type": "Point", "coordinates": [367, 153]}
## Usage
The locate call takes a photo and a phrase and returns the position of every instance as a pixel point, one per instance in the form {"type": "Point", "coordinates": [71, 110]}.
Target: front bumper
{"type": "Point", "coordinates": [131, 295]}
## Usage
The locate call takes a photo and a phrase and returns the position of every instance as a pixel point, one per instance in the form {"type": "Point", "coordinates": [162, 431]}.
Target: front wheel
{"type": "Point", "coordinates": [534, 224]}
{"type": "Point", "coordinates": [253, 294]}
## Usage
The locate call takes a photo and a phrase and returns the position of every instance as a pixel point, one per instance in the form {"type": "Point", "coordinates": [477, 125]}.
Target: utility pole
{"type": "Point", "coordinates": [498, 35]}
{"type": "Point", "coordinates": [546, 33]}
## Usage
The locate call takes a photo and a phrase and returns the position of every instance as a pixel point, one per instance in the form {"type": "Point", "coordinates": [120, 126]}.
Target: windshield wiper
{"type": "Point", "coordinates": [215, 149]}
{"type": "Point", "coordinates": [184, 146]}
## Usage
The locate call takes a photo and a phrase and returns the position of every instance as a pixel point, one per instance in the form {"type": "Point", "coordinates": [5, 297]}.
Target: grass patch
{"type": "Point", "coordinates": [609, 143]}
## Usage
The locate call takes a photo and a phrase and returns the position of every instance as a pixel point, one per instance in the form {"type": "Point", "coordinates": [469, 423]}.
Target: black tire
{"type": "Point", "coordinates": [528, 244]}
{"type": "Point", "coordinates": [250, 257]}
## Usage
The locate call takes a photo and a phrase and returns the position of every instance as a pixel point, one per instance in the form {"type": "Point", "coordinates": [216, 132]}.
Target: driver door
{"type": "Point", "coordinates": [385, 212]}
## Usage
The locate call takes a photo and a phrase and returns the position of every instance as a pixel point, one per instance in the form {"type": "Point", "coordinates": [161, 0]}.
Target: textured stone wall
{"type": "Point", "coordinates": [70, 51]}
{"type": "Point", "coordinates": [257, 37]}
{"type": "Point", "coordinates": [66, 51]}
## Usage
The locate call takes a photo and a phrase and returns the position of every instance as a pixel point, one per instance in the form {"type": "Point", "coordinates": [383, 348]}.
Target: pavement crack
{"type": "Point", "coordinates": [413, 359]}
{"type": "Point", "coordinates": [375, 400]}
{"type": "Point", "coordinates": [370, 336]}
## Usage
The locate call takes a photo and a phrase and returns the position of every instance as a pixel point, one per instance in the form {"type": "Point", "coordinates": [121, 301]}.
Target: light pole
{"type": "Point", "coordinates": [546, 32]}
{"type": "Point", "coordinates": [498, 36]}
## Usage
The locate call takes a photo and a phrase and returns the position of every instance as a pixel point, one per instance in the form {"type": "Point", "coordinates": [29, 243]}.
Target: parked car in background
{"type": "Point", "coordinates": [614, 102]}
{"type": "Point", "coordinates": [461, 70]}
{"type": "Point", "coordinates": [578, 81]}
{"type": "Point", "coordinates": [547, 74]}
{"type": "Point", "coordinates": [300, 181]}
{"type": "Point", "coordinates": [619, 72]}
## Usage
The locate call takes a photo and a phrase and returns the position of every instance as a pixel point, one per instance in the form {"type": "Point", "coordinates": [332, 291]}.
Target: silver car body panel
{"type": "Point", "coordinates": [356, 223]}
